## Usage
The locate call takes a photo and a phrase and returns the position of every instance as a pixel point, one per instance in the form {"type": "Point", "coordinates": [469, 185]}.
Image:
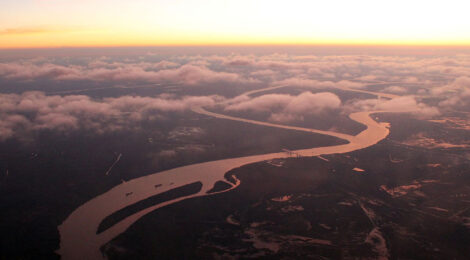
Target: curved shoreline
{"type": "Point", "coordinates": [78, 238]}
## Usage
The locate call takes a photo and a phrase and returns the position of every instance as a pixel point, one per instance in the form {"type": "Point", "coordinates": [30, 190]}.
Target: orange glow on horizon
{"type": "Point", "coordinates": [55, 39]}
{"type": "Point", "coordinates": [97, 23]}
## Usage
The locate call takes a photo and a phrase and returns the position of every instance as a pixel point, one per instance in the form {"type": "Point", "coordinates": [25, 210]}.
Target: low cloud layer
{"type": "Point", "coordinates": [351, 71]}
{"type": "Point", "coordinates": [187, 74]}
{"type": "Point", "coordinates": [32, 111]}
{"type": "Point", "coordinates": [311, 83]}
{"type": "Point", "coordinates": [457, 93]}
{"type": "Point", "coordinates": [407, 104]}
{"type": "Point", "coordinates": [286, 108]}
{"type": "Point", "coordinates": [422, 80]}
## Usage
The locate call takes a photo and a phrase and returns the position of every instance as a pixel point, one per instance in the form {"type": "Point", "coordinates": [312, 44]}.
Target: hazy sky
{"type": "Point", "coordinates": [50, 23]}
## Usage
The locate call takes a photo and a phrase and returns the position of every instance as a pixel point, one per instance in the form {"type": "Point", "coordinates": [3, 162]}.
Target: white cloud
{"type": "Point", "coordinates": [407, 104]}
{"type": "Point", "coordinates": [163, 71]}
{"type": "Point", "coordinates": [284, 108]}
{"type": "Point", "coordinates": [34, 111]}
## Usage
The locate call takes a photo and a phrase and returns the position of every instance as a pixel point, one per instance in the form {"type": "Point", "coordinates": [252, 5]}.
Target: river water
{"type": "Point", "coordinates": [78, 233]}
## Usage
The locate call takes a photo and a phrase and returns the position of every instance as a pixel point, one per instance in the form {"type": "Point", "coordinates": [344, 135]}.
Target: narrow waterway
{"type": "Point", "coordinates": [78, 233]}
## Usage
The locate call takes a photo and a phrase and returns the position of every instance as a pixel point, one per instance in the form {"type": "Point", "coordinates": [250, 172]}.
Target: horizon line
{"type": "Point", "coordinates": [377, 45]}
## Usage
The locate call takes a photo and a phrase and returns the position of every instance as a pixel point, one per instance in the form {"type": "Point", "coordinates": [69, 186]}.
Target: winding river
{"type": "Point", "coordinates": [78, 233]}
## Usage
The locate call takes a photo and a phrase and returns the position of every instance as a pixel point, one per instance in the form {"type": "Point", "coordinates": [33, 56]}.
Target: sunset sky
{"type": "Point", "coordinates": [56, 23]}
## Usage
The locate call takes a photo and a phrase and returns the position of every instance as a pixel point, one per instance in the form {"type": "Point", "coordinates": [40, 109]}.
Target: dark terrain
{"type": "Point", "coordinates": [409, 203]}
